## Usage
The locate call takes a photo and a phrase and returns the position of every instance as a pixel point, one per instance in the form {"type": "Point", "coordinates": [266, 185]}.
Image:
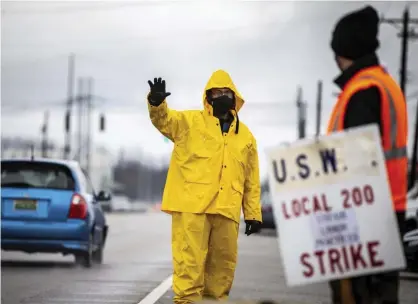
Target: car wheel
{"type": "Point", "coordinates": [85, 258]}
{"type": "Point", "coordinates": [98, 254]}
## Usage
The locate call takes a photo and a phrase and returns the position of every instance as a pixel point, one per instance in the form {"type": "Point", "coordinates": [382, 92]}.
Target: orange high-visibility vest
{"type": "Point", "coordinates": [394, 126]}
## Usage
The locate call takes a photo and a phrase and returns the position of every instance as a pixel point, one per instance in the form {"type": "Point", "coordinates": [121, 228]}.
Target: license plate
{"type": "Point", "coordinates": [29, 205]}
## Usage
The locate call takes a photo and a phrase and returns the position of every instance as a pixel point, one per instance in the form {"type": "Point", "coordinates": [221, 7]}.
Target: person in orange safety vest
{"type": "Point", "coordinates": [370, 96]}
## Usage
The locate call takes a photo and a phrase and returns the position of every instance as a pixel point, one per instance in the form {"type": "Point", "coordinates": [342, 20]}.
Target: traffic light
{"type": "Point", "coordinates": [102, 123]}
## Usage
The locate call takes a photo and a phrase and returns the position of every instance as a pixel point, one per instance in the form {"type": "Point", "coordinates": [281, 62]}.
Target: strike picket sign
{"type": "Point", "coordinates": [333, 208]}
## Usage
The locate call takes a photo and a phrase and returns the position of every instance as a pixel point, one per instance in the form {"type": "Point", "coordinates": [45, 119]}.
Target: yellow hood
{"type": "Point", "coordinates": [221, 79]}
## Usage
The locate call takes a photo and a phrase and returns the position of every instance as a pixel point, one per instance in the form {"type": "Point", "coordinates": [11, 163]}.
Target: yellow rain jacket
{"type": "Point", "coordinates": [210, 172]}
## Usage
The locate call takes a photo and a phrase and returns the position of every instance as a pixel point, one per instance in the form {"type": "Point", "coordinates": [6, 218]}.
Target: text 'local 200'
{"type": "Point", "coordinates": [339, 258]}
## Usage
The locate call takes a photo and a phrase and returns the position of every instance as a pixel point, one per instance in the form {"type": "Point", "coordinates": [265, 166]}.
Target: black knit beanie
{"type": "Point", "coordinates": [356, 34]}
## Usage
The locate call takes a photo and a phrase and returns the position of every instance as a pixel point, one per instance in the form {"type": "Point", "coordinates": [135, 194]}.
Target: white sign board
{"type": "Point", "coordinates": [333, 207]}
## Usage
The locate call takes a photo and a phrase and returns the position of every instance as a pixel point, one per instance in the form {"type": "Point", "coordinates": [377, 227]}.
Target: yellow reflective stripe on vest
{"type": "Point", "coordinates": [394, 152]}
{"type": "Point", "coordinates": [336, 120]}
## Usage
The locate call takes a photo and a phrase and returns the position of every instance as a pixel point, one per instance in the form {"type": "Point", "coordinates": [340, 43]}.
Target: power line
{"type": "Point", "coordinates": [70, 96]}
{"type": "Point", "coordinates": [37, 106]}
{"type": "Point", "coordinates": [89, 129]}
{"type": "Point", "coordinates": [44, 135]}
{"type": "Point", "coordinates": [414, 160]}
{"type": "Point", "coordinates": [301, 114]}
{"type": "Point", "coordinates": [116, 104]}
{"type": "Point", "coordinates": [406, 34]}
{"type": "Point", "coordinates": [319, 107]}
{"type": "Point", "coordinates": [80, 103]}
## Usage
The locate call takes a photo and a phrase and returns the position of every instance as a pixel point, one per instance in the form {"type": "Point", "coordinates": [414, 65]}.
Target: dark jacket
{"type": "Point", "coordinates": [364, 106]}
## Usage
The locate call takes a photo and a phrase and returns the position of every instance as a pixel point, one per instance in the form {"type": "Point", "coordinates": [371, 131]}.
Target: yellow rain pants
{"type": "Point", "coordinates": [204, 256]}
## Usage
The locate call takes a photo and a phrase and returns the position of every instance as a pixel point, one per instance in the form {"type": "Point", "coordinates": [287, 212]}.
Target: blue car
{"type": "Point", "coordinates": [50, 206]}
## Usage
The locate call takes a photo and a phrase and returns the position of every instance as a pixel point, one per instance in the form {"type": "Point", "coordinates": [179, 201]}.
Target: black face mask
{"type": "Point", "coordinates": [222, 105]}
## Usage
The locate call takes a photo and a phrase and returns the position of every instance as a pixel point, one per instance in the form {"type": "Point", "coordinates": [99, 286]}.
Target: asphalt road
{"type": "Point", "coordinates": [137, 260]}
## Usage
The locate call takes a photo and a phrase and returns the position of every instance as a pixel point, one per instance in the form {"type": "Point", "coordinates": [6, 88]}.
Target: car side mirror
{"type": "Point", "coordinates": [103, 196]}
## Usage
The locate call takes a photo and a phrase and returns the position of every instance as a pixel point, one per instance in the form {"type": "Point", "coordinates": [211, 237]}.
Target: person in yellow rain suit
{"type": "Point", "coordinates": [213, 173]}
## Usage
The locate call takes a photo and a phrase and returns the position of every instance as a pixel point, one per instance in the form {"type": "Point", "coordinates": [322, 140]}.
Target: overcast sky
{"type": "Point", "coordinates": [269, 48]}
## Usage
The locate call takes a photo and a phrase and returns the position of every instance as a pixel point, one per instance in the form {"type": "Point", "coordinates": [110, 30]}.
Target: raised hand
{"type": "Point", "coordinates": [157, 92]}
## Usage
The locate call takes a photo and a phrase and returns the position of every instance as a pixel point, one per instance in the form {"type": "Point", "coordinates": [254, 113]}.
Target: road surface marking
{"type": "Point", "coordinates": [158, 291]}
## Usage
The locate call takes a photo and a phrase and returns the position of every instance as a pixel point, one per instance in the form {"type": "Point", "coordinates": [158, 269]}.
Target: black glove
{"type": "Point", "coordinates": [251, 226]}
{"type": "Point", "coordinates": [157, 92]}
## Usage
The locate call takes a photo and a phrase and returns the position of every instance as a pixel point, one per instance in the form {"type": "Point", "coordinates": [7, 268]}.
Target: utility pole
{"type": "Point", "coordinates": [89, 99]}
{"type": "Point", "coordinates": [301, 112]}
{"type": "Point", "coordinates": [70, 96]}
{"type": "Point", "coordinates": [406, 34]}
{"type": "Point", "coordinates": [44, 135]}
{"type": "Point", "coordinates": [414, 160]}
{"type": "Point", "coordinates": [80, 104]}
{"type": "Point", "coordinates": [318, 108]}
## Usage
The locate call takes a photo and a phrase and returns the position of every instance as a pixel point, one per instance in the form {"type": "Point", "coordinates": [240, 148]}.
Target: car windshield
{"type": "Point", "coordinates": [30, 174]}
